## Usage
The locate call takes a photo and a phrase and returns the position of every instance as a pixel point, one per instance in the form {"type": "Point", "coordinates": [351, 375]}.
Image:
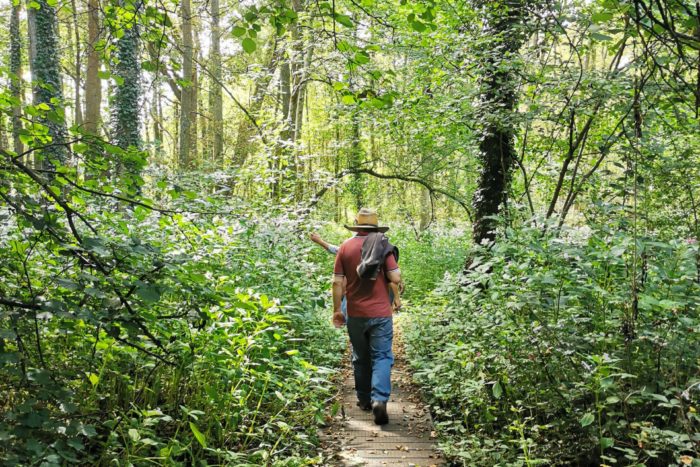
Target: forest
{"type": "Point", "coordinates": [163, 162]}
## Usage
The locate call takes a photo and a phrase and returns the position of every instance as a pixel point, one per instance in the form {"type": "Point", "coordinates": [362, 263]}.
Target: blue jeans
{"type": "Point", "coordinates": [372, 357]}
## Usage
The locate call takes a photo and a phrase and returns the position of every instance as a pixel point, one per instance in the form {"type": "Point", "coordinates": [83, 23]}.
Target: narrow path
{"type": "Point", "coordinates": [352, 438]}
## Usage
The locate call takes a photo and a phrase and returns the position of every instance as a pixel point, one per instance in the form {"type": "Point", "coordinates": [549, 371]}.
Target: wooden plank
{"type": "Point", "coordinates": [352, 438]}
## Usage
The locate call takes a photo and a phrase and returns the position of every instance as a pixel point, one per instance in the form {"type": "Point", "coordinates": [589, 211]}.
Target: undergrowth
{"type": "Point", "coordinates": [166, 339]}
{"type": "Point", "coordinates": [545, 356]}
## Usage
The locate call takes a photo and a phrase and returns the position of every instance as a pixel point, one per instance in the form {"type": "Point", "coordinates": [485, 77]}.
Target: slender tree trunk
{"type": "Point", "coordinates": [16, 78]}
{"type": "Point", "coordinates": [31, 31]}
{"type": "Point", "coordinates": [246, 130]}
{"type": "Point", "coordinates": [4, 132]}
{"type": "Point", "coordinates": [78, 112]}
{"type": "Point", "coordinates": [280, 158]}
{"type": "Point", "coordinates": [195, 120]}
{"type": "Point", "coordinates": [155, 115]}
{"type": "Point", "coordinates": [93, 84]}
{"type": "Point", "coordinates": [502, 24]}
{"type": "Point", "coordinates": [356, 185]}
{"type": "Point", "coordinates": [425, 209]}
{"type": "Point", "coordinates": [31, 53]}
{"type": "Point", "coordinates": [216, 107]}
{"type": "Point", "coordinates": [203, 116]}
{"type": "Point", "coordinates": [46, 73]}
{"type": "Point", "coordinates": [187, 95]}
{"type": "Point", "coordinates": [294, 67]}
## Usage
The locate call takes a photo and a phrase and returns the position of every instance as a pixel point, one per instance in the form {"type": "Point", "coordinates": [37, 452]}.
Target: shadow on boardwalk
{"type": "Point", "coordinates": [352, 438]}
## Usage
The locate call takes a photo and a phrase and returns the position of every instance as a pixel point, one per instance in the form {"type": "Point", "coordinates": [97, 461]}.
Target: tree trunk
{"type": "Point", "coordinates": [196, 108]}
{"type": "Point", "coordinates": [31, 31]}
{"type": "Point", "coordinates": [246, 130]}
{"type": "Point", "coordinates": [498, 103]}
{"type": "Point", "coordinates": [187, 95]}
{"type": "Point", "coordinates": [93, 84]}
{"type": "Point", "coordinates": [295, 69]}
{"type": "Point", "coordinates": [356, 185]}
{"type": "Point", "coordinates": [216, 107]}
{"type": "Point", "coordinates": [156, 116]}
{"type": "Point", "coordinates": [126, 120]}
{"type": "Point", "coordinates": [280, 153]}
{"type": "Point", "coordinates": [78, 111]}
{"type": "Point", "coordinates": [46, 73]}
{"type": "Point", "coordinates": [16, 78]}
{"type": "Point", "coordinates": [4, 132]}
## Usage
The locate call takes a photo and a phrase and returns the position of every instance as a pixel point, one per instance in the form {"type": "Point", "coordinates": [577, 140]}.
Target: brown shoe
{"type": "Point", "coordinates": [381, 417]}
{"type": "Point", "coordinates": [365, 406]}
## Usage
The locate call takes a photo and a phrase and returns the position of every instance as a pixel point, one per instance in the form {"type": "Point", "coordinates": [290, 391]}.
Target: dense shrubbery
{"type": "Point", "coordinates": [159, 338]}
{"type": "Point", "coordinates": [426, 257]}
{"type": "Point", "coordinates": [547, 358]}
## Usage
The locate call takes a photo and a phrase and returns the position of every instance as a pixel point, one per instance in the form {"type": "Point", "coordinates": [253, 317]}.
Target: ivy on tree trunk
{"type": "Point", "coordinates": [503, 21]}
{"type": "Point", "coordinates": [47, 81]}
{"type": "Point", "coordinates": [126, 118]}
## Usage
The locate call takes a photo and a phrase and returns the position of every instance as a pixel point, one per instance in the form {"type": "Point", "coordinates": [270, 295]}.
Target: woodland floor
{"type": "Point", "coordinates": [352, 438]}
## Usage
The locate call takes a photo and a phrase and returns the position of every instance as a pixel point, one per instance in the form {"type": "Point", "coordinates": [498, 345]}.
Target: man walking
{"type": "Point", "coordinates": [367, 264]}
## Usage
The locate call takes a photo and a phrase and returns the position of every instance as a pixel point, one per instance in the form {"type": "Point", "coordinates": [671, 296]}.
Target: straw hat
{"type": "Point", "coordinates": [366, 220]}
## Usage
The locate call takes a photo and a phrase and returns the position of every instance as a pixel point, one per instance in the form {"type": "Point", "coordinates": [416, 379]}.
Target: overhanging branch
{"type": "Point", "coordinates": [405, 178]}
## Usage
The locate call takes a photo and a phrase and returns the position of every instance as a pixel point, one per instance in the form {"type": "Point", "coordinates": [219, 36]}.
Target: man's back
{"type": "Point", "coordinates": [366, 298]}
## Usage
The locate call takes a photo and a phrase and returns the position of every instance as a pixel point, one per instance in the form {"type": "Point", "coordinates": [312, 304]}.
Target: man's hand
{"type": "Point", "coordinates": [397, 303]}
{"type": "Point", "coordinates": [315, 237]}
{"type": "Point", "coordinates": [338, 319]}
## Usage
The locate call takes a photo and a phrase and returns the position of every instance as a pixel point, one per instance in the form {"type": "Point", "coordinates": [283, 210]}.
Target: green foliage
{"type": "Point", "coordinates": [426, 258]}
{"type": "Point", "coordinates": [546, 357]}
{"type": "Point", "coordinates": [138, 333]}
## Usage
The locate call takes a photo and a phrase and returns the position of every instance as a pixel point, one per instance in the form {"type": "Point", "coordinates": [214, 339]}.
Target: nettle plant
{"type": "Point", "coordinates": [565, 348]}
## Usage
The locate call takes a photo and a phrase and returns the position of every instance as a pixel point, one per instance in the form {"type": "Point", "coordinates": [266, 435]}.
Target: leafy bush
{"type": "Point", "coordinates": [154, 337]}
{"type": "Point", "coordinates": [547, 357]}
{"type": "Point", "coordinates": [427, 257]}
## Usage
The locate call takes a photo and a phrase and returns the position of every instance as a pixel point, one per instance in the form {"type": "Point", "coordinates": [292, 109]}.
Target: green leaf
{"type": "Point", "coordinates": [418, 26]}
{"type": "Point", "coordinates": [361, 57]}
{"type": "Point", "coordinates": [238, 31]}
{"type": "Point", "coordinates": [606, 443]}
{"type": "Point", "coordinates": [587, 419]}
{"type": "Point", "coordinates": [348, 99]}
{"type": "Point", "coordinates": [134, 434]}
{"type": "Point", "coordinates": [198, 435]}
{"type": "Point", "coordinates": [344, 46]}
{"type": "Point", "coordinates": [94, 379]}
{"type": "Point", "coordinates": [497, 390]}
{"type": "Point", "coordinates": [601, 16]}
{"type": "Point", "coordinates": [249, 45]}
{"type": "Point", "coordinates": [148, 293]}
{"type": "Point", "coordinates": [344, 20]}
{"type": "Point", "coordinates": [596, 36]}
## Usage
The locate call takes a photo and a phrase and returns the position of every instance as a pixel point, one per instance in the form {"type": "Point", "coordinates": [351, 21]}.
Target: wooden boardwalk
{"type": "Point", "coordinates": [352, 438]}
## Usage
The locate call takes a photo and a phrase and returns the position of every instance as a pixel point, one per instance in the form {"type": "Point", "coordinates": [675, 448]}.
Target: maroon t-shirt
{"type": "Point", "coordinates": [366, 298]}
